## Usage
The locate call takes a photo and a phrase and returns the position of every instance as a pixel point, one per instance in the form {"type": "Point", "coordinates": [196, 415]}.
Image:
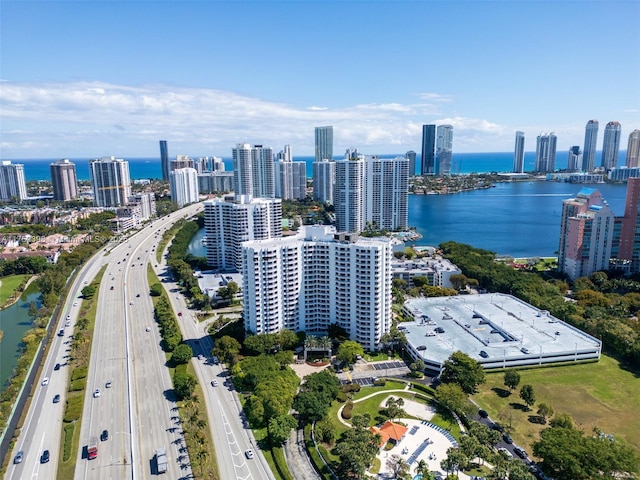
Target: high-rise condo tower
{"type": "Point", "coordinates": [611, 145]}
{"type": "Point", "coordinates": [518, 155]}
{"type": "Point", "coordinates": [324, 143]}
{"type": "Point", "coordinates": [164, 160]}
{"type": "Point", "coordinates": [428, 150]}
{"type": "Point", "coordinates": [444, 149]}
{"type": "Point", "coordinates": [633, 150]}
{"type": "Point", "coordinates": [589, 150]}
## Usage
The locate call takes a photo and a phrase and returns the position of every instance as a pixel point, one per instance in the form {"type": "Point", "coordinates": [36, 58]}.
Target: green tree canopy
{"type": "Point", "coordinates": [181, 354]}
{"type": "Point", "coordinates": [183, 384]}
{"type": "Point", "coordinates": [348, 351]}
{"type": "Point", "coordinates": [226, 349]}
{"type": "Point", "coordinates": [511, 378]}
{"type": "Point", "coordinates": [527, 395]}
{"type": "Point", "coordinates": [460, 368]}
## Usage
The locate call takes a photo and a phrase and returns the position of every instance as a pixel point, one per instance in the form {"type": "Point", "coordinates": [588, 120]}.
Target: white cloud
{"type": "Point", "coordinates": [91, 118]}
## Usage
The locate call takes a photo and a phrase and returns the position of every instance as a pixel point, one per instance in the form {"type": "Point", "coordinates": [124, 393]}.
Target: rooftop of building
{"type": "Point", "coordinates": [500, 325]}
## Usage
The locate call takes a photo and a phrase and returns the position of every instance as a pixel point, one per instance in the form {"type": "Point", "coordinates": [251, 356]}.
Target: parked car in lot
{"type": "Point", "coordinates": [484, 354]}
{"type": "Point", "coordinates": [438, 330]}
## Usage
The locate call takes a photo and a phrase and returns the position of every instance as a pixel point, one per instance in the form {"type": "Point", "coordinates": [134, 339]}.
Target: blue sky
{"type": "Point", "coordinates": [90, 78]}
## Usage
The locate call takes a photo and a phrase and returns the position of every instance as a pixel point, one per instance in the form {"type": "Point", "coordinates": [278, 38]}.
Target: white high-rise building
{"type": "Point", "coordinates": [348, 194]}
{"type": "Point", "coordinates": [110, 181]}
{"type": "Point", "coordinates": [518, 155]}
{"type": "Point", "coordinates": [253, 171]}
{"type": "Point", "coordinates": [324, 180]}
{"type": "Point", "coordinates": [290, 177]}
{"type": "Point", "coordinates": [313, 279]}
{"type": "Point", "coordinates": [230, 221]}
{"type": "Point", "coordinates": [371, 192]}
{"type": "Point", "coordinates": [633, 150]}
{"type": "Point", "coordinates": [611, 145]}
{"type": "Point", "coordinates": [184, 186]}
{"type": "Point", "coordinates": [324, 143]}
{"type": "Point", "coordinates": [590, 142]}
{"type": "Point", "coordinates": [546, 152]}
{"type": "Point", "coordinates": [386, 186]}
{"type": "Point", "coordinates": [12, 182]}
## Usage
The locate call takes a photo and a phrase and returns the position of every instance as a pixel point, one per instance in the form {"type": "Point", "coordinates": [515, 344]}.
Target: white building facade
{"type": "Point", "coordinates": [111, 181]}
{"type": "Point", "coordinates": [12, 182]}
{"type": "Point", "coordinates": [230, 221]}
{"type": "Point", "coordinates": [316, 278]}
{"type": "Point", "coordinates": [184, 186]}
{"type": "Point", "coordinates": [324, 180]}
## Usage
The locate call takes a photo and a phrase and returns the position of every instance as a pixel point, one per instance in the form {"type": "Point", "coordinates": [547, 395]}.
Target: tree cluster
{"type": "Point", "coordinates": [356, 449]}
{"type": "Point", "coordinates": [316, 394]}
{"type": "Point", "coordinates": [171, 336]}
{"type": "Point", "coordinates": [271, 342]}
{"type": "Point", "coordinates": [23, 265]}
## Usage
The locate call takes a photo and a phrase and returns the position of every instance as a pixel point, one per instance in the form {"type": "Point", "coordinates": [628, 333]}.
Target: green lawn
{"type": "Point", "coordinates": [9, 285]}
{"type": "Point", "coordinates": [602, 395]}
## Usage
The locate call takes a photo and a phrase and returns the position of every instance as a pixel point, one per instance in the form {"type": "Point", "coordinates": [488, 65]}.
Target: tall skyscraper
{"type": "Point", "coordinates": [290, 180]}
{"type": "Point", "coordinates": [428, 159]}
{"type": "Point", "coordinates": [518, 155]}
{"type": "Point", "coordinates": [630, 232]}
{"type": "Point", "coordinates": [316, 278]}
{"type": "Point", "coordinates": [574, 160]}
{"type": "Point", "coordinates": [586, 234]}
{"type": "Point", "coordinates": [64, 180]}
{"type": "Point", "coordinates": [611, 145]}
{"type": "Point", "coordinates": [229, 222]}
{"type": "Point", "coordinates": [386, 186]}
{"type": "Point", "coordinates": [253, 171]}
{"type": "Point", "coordinates": [411, 156]}
{"type": "Point", "coordinates": [164, 160]}
{"type": "Point", "coordinates": [546, 152]}
{"type": "Point", "coordinates": [324, 180]}
{"type": "Point", "coordinates": [110, 181]}
{"type": "Point", "coordinates": [324, 143]}
{"type": "Point", "coordinates": [348, 194]}
{"type": "Point", "coordinates": [12, 182]}
{"type": "Point", "coordinates": [633, 150]}
{"type": "Point", "coordinates": [444, 149]}
{"type": "Point", "coordinates": [590, 142]}
{"type": "Point", "coordinates": [184, 186]}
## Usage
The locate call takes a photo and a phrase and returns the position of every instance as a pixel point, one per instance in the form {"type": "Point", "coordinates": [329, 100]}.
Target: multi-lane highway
{"type": "Point", "coordinates": [135, 403]}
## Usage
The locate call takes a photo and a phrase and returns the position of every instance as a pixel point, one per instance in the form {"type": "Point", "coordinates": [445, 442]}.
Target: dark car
{"type": "Point", "coordinates": [438, 330]}
{"type": "Point", "coordinates": [507, 438]}
{"type": "Point", "coordinates": [483, 413]}
{"type": "Point", "coordinates": [45, 457]}
{"type": "Point", "coordinates": [497, 427]}
{"type": "Point", "coordinates": [56, 399]}
{"type": "Point", "coordinates": [111, 287]}
{"type": "Point", "coordinates": [520, 452]}
{"type": "Point", "coordinates": [104, 436]}
{"type": "Point", "coordinates": [57, 367]}
{"type": "Point", "coordinates": [484, 354]}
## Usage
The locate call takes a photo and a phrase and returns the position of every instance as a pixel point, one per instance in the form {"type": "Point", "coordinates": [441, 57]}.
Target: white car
{"type": "Point", "coordinates": [75, 304]}
{"type": "Point", "coordinates": [68, 317]}
{"type": "Point", "coordinates": [131, 302]}
{"type": "Point", "coordinates": [67, 323]}
{"type": "Point", "coordinates": [45, 381]}
{"type": "Point", "coordinates": [214, 383]}
{"type": "Point", "coordinates": [148, 329]}
{"type": "Point", "coordinates": [248, 453]}
{"type": "Point", "coordinates": [96, 393]}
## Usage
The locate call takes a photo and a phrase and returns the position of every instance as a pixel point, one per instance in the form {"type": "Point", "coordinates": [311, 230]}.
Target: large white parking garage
{"type": "Point", "coordinates": [498, 330]}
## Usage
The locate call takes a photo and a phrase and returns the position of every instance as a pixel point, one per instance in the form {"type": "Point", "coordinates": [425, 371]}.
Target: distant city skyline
{"type": "Point", "coordinates": [71, 88]}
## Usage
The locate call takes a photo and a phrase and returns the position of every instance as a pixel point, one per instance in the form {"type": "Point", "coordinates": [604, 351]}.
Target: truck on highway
{"type": "Point", "coordinates": [92, 449]}
{"type": "Point", "coordinates": [161, 460]}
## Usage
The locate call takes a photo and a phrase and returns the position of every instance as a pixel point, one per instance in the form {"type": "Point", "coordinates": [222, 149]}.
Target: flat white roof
{"type": "Point", "coordinates": [503, 326]}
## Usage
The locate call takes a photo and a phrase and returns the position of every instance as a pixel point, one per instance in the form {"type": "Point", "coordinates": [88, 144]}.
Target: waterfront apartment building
{"type": "Point", "coordinates": [110, 181]}
{"type": "Point", "coordinates": [324, 143]}
{"type": "Point", "coordinates": [371, 191]}
{"type": "Point", "coordinates": [444, 149]}
{"type": "Point", "coordinates": [146, 202]}
{"type": "Point", "coordinates": [633, 150]}
{"type": "Point", "coordinates": [588, 230]}
{"type": "Point", "coordinates": [546, 152]}
{"type": "Point", "coordinates": [236, 219]}
{"type": "Point", "coordinates": [253, 171]}
{"type": "Point", "coordinates": [611, 145]}
{"type": "Point", "coordinates": [590, 142]}
{"type": "Point", "coordinates": [316, 278]}
{"type": "Point", "coordinates": [386, 187]}
{"type": "Point", "coordinates": [164, 160]}
{"type": "Point", "coordinates": [324, 180]}
{"type": "Point", "coordinates": [518, 154]}
{"type": "Point", "coordinates": [574, 160]}
{"type": "Point", "coordinates": [428, 159]}
{"type": "Point", "coordinates": [411, 156]}
{"type": "Point", "coordinates": [183, 183]}
{"type": "Point", "coordinates": [12, 182]}
{"type": "Point", "coordinates": [64, 180]}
